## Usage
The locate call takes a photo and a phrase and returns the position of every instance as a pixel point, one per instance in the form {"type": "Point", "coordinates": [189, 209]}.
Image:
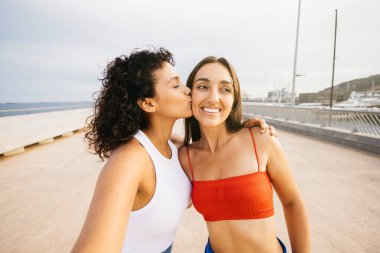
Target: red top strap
{"type": "Point", "coordinates": [188, 158]}
{"type": "Point", "coordinates": [254, 145]}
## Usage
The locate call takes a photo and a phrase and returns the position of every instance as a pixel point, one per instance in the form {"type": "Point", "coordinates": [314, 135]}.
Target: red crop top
{"type": "Point", "coordinates": [248, 196]}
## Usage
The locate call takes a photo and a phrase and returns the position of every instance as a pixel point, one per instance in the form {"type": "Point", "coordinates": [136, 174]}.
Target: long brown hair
{"type": "Point", "coordinates": [233, 122]}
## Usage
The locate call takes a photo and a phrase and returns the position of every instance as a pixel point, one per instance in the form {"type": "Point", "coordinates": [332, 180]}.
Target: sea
{"type": "Point", "coordinates": [13, 109]}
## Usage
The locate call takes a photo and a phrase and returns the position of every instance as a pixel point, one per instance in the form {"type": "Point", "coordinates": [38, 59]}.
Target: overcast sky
{"type": "Point", "coordinates": [55, 50]}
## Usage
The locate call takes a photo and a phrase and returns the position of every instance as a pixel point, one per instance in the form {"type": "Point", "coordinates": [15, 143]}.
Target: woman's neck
{"type": "Point", "coordinates": [212, 138]}
{"type": "Point", "coordinates": [159, 132]}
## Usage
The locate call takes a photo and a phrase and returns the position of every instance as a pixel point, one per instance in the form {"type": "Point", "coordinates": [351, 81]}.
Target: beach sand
{"type": "Point", "coordinates": [45, 193]}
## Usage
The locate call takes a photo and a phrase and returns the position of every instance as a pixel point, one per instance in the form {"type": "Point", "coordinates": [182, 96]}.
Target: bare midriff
{"type": "Point", "coordinates": [244, 236]}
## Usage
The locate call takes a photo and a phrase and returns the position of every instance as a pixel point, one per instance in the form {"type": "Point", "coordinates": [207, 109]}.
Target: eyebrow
{"type": "Point", "coordinates": [207, 80]}
{"type": "Point", "coordinates": [174, 78]}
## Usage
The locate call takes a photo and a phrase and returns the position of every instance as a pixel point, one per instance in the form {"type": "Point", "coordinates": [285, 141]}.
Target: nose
{"type": "Point", "coordinates": [213, 96]}
{"type": "Point", "coordinates": [187, 91]}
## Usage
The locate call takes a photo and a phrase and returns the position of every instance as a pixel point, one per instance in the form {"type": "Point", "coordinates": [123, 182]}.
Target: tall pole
{"type": "Point", "coordinates": [295, 54]}
{"type": "Point", "coordinates": [373, 86]}
{"type": "Point", "coordinates": [333, 71]}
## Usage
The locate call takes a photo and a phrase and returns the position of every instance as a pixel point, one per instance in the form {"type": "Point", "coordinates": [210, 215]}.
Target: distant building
{"type": "Point", "coordinates": [281, 96]}
{"type": "Point", "coordinates": [246, 97]}
{"type": "Point", "coordinates": [324, 99]}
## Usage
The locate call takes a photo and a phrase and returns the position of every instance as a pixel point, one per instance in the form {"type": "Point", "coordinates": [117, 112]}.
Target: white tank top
{"type": "Point", "coordinates": [152, 228]}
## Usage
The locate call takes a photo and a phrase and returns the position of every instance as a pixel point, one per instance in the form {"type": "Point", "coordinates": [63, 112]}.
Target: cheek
{"type": "Point", "coordinates": [197, 96]}
{"type": "Point", "coordinates": [194, 107]}
{"type": "Point", "coordinates": [228, 101]}
{"type": "Point", "coordinates": [173, 101]}
{"type": "Point", "coordinates": [195, 103]}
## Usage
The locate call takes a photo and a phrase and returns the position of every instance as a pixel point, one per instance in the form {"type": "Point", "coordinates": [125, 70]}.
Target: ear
{"type": "Point", "coordinates": [146, 104]}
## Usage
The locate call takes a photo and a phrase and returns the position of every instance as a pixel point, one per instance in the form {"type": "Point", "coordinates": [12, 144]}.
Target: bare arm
{"type": "Point", "coordinates": [184, 161]}
{"type": "Point", "coordinates": [107, 219]}
{"type": "Point", "coordinates": [290, 197]}
{"type": "Point", "coordinates": [182, 156]}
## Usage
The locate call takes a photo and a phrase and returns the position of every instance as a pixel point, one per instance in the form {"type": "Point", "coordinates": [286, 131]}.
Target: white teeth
{"type": "Point", "coordinates": [211, 110]}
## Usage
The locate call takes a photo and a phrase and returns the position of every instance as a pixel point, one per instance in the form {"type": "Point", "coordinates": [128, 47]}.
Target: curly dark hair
{"type": "Point", "coordinates": [117, 116]}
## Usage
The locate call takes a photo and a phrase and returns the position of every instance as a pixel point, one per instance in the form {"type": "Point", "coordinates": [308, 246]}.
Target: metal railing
{"type": "Point", "coordinates": [352, 121]}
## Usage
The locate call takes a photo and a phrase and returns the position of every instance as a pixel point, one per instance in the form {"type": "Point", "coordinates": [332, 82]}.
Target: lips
{"type": "Point", "coordinates": [211, 110]}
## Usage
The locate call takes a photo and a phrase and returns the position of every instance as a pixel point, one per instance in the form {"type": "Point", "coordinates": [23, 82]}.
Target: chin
{"type": "Point", "coordinates": [208, 123]}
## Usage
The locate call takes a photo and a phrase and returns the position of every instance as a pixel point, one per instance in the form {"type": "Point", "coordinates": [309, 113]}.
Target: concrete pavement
{"type": "Point", "coordinates": [45, 193]}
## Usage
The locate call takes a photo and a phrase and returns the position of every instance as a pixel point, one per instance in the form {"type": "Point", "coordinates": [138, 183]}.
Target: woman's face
{"type": "Point", "coordinates": [212, 95]}
{"type": "Point", "coordinates": [172, 98]}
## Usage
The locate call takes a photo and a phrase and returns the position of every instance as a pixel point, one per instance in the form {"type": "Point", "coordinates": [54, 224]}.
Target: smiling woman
{"type": "Point", "coordinates": [228, 86]}
{"type": "Point", "coordinates": [213, 94]}
{"type": "Point", "coordinates": [233, 170]}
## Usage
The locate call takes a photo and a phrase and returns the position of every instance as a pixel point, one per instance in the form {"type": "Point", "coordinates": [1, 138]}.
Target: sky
{"type": "Point", "coordinates": [56, 50]}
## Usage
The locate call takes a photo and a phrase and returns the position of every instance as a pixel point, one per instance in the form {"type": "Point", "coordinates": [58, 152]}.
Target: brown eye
{"type": "Point", "coordinates": [226, 90]}
{"type": "Point", "coordinates": [202, 87]}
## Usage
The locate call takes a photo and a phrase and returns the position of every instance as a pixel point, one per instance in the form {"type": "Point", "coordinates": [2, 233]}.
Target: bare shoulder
{"type": "Point", "coordinates": [184, 159]}
{"type": "Point", "coordinates": [244, 134]}
{"type": "Point", "coordinates": [264, 139]}
{"type": "Point", "coordinates": [113, 199]}
{"type": "Point", "coordinates": [132, 149]}
{"type": "Point", "coordinates": [182, 156]}
{"type": "Point", "coordinates": [123, 175]}
{"type": "Point", "coordinates": [266, 145]}
{"type": "Point", "coordinates": [128, 160]}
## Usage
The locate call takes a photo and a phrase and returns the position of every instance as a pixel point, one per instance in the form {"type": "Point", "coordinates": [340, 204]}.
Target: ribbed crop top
{"type": "Point", "coordinates": [248, 196]}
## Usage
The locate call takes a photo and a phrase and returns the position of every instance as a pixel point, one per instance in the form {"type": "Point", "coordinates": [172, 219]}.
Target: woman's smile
{"type": "Point", "coordinates": [211, 110]}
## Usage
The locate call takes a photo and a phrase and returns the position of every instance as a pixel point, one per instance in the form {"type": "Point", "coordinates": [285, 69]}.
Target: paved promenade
{"type": "Point", "coordinates": [45, 193]}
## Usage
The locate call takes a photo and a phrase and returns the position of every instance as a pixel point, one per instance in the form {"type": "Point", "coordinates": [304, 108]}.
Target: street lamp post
{"type": "Point", "coordinates": [295, 54]}
{"type": "Point", "coordinates": [333, 70]}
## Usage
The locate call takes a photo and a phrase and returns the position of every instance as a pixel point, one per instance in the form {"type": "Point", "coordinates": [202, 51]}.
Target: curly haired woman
{"type": "Point", "coordinates": [142, 191]}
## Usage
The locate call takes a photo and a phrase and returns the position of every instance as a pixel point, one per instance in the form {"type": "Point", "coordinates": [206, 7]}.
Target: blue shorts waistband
{"type": "Point", "coordinates": [208, 248]}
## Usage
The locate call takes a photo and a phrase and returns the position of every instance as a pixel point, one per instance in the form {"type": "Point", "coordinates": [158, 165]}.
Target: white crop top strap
{"type": "Point", "coordinates": [152, 228]}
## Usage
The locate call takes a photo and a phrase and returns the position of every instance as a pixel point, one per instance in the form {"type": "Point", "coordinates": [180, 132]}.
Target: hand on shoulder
{"type": "Point", "coordinates": [263, 136]}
